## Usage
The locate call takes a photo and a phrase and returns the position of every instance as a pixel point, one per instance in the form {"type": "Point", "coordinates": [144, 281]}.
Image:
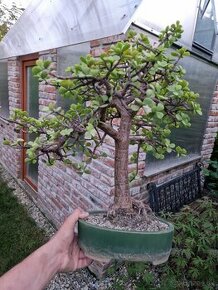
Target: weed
{"type": "Point", "coordinates": [194, 254]}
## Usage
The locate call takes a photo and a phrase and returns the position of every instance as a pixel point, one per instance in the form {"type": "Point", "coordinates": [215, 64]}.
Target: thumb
{"type": "Point", "coordinates": [77, 214]}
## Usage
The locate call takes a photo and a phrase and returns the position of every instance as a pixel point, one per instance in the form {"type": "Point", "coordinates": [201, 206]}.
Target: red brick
{"type": "Point", "coordinates": [49, 89]}
{"type": "Point", "coordinates": [95, 43]}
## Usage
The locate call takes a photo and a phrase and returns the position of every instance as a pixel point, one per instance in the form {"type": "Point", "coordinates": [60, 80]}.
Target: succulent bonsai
{"type": "Point", "coordinates": [134, 92]}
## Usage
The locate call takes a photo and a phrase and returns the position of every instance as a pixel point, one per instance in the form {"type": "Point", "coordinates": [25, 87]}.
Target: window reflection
{"type": "Point", "coordinates": [202, 79]}
{"type": "Point", "coordinates": [4, 102]}
{"type": "Point", "coordinates": [206, 30]}
{"type": "Point", "coordinates": [69, 56]}
{"type": "Point", "coordinates": [32, 100]}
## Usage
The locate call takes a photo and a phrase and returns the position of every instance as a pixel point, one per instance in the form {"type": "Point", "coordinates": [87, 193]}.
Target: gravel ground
{"type": "Point", "coordinates": [82, 279]}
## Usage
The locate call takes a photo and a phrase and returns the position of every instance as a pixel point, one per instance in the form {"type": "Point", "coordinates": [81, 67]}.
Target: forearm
{"type": "Point", "coordinates": [61, 253]}
{"type": "Point", "coordinates": [34, 272]}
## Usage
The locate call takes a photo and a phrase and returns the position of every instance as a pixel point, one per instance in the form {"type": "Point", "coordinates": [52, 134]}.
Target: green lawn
{"type": "Point", "coordinates": [19, 234]}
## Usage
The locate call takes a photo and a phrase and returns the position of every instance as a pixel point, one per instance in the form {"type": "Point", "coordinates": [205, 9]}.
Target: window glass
{"type": "Point", "coordinates": [32, 94]}
{"type": "Point", "coordinates": [69, 56]}
{"type": "Point", "coordinates": [32, 107]}
{"type": "Point", "coordinates": [206, 30]}
{"type": "Point", "coordinates": [4, 102]}
{"type": "Point", "coordinates": [202, 77]}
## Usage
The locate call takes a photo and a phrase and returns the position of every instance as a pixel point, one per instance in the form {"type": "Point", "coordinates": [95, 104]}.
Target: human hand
{"type": "Point", "coordinates": [65, 244]}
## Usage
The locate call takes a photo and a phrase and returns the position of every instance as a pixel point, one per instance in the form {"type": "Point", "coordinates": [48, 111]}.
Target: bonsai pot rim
{"type": "Point", "coordinates": [169, 229]}
{"type": "Point", "coordinates": [105, 244]}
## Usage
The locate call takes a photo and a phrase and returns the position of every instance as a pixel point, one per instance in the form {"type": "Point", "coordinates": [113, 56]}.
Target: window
{"type": "Point", "coordinates": [69, 56]}
{"type": "Point", "coordinates": [30, 103]}
{"type": "Point", "coordinates": [4, 102]}
{"type": "Point", "coordinates": [206, 27]}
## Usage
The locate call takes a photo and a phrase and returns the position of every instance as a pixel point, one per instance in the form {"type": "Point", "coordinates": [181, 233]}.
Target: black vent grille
{"type": "Point", "coordinates": [172, 195]}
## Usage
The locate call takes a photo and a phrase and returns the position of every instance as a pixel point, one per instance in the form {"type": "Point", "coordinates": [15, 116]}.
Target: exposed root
{"type": "Point", "coordinates": [133, 215]}
{"type": "Point", "coordinates": [136, 208]}
{"type": "Point", "coordinates": [116, 210]}
{"type": "Point", "coordinates": [141, 207]}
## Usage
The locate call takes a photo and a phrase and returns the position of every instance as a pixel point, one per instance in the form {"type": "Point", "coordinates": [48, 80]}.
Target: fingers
{"type": "Point", "coordinates": [84, 262]}
{"type": "Point", "coordinates": [77, 214]}
{"type": "Point", "coordinates": [66, 232]}
{"type": "Point", "coordinates": [82, 254]}
{"type": "Point", "coordinates": [83, 259]}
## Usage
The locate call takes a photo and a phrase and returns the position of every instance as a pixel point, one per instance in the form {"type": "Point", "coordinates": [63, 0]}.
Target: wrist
{"type": "Point", "coordinates": [53, 256]}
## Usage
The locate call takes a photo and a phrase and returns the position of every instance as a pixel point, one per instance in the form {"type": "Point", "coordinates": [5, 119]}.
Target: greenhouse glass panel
{"type": "Point", "coordinates": [202, 77]}
{"type": "Point", "coordinates": [32, 94]}
{"type": "Point", "coordinates": [4, 102]}
{"type": "Point", "coordinates": [205, 31]}
{"type": "Point", "coordinates": [69, 56]}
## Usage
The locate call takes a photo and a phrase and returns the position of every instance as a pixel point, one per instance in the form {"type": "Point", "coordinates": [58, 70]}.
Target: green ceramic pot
{"type": "Point", "coordinates": [105, 244]}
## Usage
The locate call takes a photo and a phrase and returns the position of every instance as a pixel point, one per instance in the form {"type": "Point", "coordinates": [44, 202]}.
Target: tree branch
{"type": "Point", "coordinates": [108, 130]}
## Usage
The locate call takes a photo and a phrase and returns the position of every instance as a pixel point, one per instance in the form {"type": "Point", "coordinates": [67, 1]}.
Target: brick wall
{"type": "Point", "coordinates": [211, 129]}
{"type": "Point", "coordinates": [100, 45]}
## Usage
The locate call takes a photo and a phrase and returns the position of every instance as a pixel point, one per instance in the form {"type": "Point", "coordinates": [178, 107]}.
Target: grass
{"type": "Point", "coordinates": [19, 234]}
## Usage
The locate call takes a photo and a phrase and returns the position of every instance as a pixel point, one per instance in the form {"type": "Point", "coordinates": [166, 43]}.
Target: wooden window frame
{"type": "Point", "coordinates": [26, 61]}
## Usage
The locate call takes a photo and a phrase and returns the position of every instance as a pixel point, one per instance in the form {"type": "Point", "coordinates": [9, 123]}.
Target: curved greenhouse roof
{"type": "Point", "coordinates": [49, 24]}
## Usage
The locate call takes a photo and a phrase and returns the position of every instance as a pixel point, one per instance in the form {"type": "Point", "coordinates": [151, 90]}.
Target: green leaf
{"type": "Point", "coordinates": [46, 63]}
{"type": "Point", "coordinates": [39, 63]}
{"type": "Point", "coordinates": [69, 69]}
{"type": "Point", "coordinates": [149, 102]}
{"type": "Point", "coordinates": [162, 63]}
{"type": "Point", "coordinates": [6, 142]}
{"type": "Point", "coordinates": [194, 272]}
{"type": "Point", "coordinates": [36, 70]}
{"type": "Point", "coordinates": [148, 147]}
{"type": "Point", "coordinates": [66, 132]}
{"type": "Point", "coordinates": [43, 75]}
{"type": "Point", "coordinates": [159, 115]}
{"type": "Point", "coordinates": [104, 98]}
{"type": "Point", "coordinates": [150, 93]}
{"type": "Point", "coordinates": [178, 117]}
{"type": "Point", "coordinates": [88, 135]}
{"type": "Point", "coordinates": [135, 108]}
{"type": "Point", "coordinates": [62, 90]}
{"type": "Point", "coordinates": [125, 47]}
{"type": "Point", "coordinates": [160, 107]}
{"type": "Point", "coordinates": [67, 84]}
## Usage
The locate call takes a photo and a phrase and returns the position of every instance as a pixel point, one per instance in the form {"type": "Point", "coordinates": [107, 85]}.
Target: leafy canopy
{"type": "Point", "coordinates": [133, 81]}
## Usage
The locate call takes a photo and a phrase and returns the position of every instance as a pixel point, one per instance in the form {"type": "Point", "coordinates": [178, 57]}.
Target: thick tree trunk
{"type": "Point", "coordinates": [122, 198]}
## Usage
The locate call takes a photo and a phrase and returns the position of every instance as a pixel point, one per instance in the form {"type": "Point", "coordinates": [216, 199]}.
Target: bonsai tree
{"type": "Point", "coordinates": [134, 92]}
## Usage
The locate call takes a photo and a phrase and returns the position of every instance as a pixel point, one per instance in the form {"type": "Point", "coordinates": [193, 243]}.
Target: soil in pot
{"type": "Point", "coordinates": [125, 221]}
